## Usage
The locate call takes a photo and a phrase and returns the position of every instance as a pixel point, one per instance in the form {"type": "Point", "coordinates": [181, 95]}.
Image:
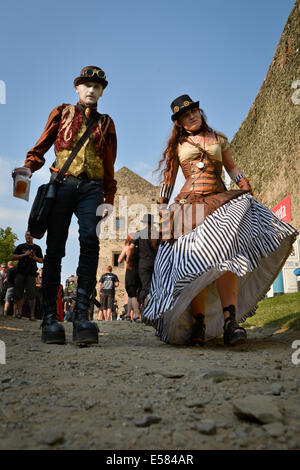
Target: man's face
{"type": "Point", "coordinates": [89, 92]}
{"type": "Point", "coordinates": [28, 238]}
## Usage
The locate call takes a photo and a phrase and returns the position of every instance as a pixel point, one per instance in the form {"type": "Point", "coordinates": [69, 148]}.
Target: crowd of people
{"type": "Point", "coordinates": [30, 304]}
{"type": "Point", "coordinates": [21, 285]}
{"type": "Point", "coordinates": [139, 252]}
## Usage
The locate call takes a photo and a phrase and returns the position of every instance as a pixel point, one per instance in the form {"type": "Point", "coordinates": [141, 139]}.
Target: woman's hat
{"type": "Point", "coordinates": [91, 73]}
{"type": "Point", "coordinates": [182, 104]}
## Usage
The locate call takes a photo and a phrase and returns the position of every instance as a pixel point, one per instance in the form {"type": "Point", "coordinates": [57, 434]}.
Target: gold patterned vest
{"type": "Point", "coordinates": [72, 127]}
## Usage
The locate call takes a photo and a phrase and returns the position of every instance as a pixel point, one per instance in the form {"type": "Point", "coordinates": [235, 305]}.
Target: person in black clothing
{"type": "Point", "coordinates": [9, 282]}
{"type": "Point", "coordinates": [114, 312]}
{"type": "Point", "coordinates": [132, 280]}
{"type": "Point", "coordinates": [3, 270]}
{"type": "Point", "coordinates": [145, 241]}
{"type": "Point", "coordinates": [107, 283]}
{"type": "Point", "coordinates": [39, 295]}
{"type": "Point", "coordinates": [88, 183]}
{"type": "Point", "coordinates": [28, 254]}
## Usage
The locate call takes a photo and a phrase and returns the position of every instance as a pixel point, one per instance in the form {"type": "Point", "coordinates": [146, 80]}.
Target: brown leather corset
{"type": "Point", "coordinates": [203, 180]}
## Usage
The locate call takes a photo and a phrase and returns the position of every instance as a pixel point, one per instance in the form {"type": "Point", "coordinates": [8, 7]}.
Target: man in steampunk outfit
{"type": "Point", "coordinates": [88, 183]}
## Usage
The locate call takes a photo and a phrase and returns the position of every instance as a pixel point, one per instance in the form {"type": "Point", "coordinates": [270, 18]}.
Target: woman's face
{"type": "Point", "coordinates": [191, 120]}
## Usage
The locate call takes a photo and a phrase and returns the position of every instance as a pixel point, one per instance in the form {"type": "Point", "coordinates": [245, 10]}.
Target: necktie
{"type": "Point", "coordinates": [87, 112]}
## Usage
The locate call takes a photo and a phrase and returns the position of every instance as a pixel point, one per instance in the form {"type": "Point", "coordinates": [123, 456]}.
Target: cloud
{"type": "Point", "coordinates": [13, 212]}
{"type": "Point", "coordinates": [73, 230]}
{"type": "Point", "coordinates": [5, 177]}
{"type": "Point", "coordinates": [145, 170]}
{"type": "Point", "coordinates": [17, 219]}
{"type": "Point", "coordinates": [180, 180]}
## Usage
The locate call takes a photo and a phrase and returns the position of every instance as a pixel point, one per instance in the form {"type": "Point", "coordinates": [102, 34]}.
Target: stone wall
{"type": "Point", "coordinates": [267, 145]}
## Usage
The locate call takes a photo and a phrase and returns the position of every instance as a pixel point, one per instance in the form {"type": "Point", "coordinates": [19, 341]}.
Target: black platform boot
{"type": "Point", "coordinates": [84, 331]}
{"type": "Point", "coordinates": [52, 331]}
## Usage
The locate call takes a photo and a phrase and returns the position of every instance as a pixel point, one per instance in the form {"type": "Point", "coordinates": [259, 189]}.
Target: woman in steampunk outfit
{"type": "Point", "coordinates": [88, 182]}
{"type": "Point", "coordinates": [221, 249]}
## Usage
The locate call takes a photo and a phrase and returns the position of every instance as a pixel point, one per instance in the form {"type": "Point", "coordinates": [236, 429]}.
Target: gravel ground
{"type": "Point", "coordinates": [132, 392]}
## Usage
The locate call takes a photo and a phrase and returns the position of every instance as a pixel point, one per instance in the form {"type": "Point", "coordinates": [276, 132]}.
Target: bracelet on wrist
{"type": "Point", "coordinates": [238, 177]}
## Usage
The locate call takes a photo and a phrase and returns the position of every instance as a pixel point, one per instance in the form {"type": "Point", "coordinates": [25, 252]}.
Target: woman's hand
{"type": "Point", "coordinates": [163, 210]}
{"type": "Point", "coordinates": [233, 171]}
{"type": "Point", "coordinates": [245, 185]}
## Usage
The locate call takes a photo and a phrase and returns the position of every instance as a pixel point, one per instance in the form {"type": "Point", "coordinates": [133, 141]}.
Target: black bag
{"type": "Point", "coordinates": [44, 200]}
{"type": "Point", "coordinates": [41, 209]}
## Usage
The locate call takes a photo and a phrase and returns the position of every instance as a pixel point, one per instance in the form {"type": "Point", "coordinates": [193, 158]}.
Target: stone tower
{"type": "Point", "coordinates": [267, 145]}
{"type": "Point", "coordinates": [134, 198]}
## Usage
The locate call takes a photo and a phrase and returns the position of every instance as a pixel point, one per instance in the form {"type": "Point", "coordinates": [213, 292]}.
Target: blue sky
{"type": "Point", "coordinates": [218, 52]}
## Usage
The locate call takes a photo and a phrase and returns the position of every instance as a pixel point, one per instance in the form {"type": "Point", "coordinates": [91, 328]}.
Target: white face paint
{"type": "Point", "coordinates": [89, 92]}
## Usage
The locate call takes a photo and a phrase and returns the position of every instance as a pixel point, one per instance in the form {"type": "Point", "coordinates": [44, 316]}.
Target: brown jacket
{"type": "Point", "coordinates": [35, 157]}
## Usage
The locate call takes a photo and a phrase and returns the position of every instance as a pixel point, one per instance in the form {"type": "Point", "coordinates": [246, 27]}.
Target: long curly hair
{"type": "Point", "coordinates": [178, 136]}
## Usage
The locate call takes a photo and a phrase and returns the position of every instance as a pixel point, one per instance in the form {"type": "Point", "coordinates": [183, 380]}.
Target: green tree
{"type": "Point", "coordinates": [7, 244]}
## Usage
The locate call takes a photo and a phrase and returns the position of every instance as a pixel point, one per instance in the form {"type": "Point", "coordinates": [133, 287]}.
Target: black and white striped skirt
{"type": "Point", "coordinates": [242, 236]}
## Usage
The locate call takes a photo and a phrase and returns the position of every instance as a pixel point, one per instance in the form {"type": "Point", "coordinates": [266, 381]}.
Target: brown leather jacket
{"type": "Point", "coordinates": [52, 135]}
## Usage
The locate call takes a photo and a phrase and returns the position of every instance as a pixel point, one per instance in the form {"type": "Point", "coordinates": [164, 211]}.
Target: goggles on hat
{"type": "Point", "coordinates": [91, 72]}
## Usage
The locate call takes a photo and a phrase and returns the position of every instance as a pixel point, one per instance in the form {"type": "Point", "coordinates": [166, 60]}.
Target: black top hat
{"type": "Point", "coordinates": [91, 73]}
{"type": "Point", "coordinates": [148, 219]}
{"type": "Point", "coordinates": [182, 104]}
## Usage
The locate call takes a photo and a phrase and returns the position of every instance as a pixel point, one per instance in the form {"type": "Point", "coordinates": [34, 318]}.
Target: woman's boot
{"type": "Point", "coordinates": [233, 333]}
{"type": "Point", "coordinates": [198, 329]}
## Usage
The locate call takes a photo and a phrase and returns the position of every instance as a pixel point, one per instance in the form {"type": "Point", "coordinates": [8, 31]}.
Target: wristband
{"type": "Point", "coordinates": [238, 177]}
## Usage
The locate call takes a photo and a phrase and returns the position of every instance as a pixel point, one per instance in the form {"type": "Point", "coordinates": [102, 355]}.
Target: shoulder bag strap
{"type": "Point", "coordinates": [76, 149]}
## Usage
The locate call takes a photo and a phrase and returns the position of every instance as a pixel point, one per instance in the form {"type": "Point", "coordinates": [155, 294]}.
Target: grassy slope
{"type": "Point", "coordinates": [282, 311]}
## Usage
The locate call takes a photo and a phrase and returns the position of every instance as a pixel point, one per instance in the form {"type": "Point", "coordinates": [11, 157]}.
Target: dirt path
{"type": "Point", "coordinates": [131, 391]}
